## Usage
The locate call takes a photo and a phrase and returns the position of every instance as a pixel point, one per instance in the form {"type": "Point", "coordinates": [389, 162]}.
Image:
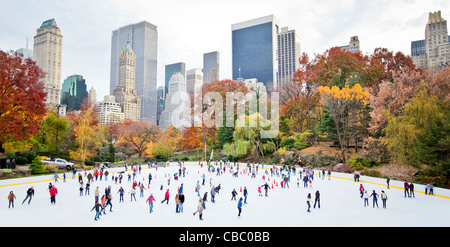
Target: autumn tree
{"type": "Point", "coordinates": [137, 135]}
{"type": "Point", "coordinates": [301, 97]}
{"type": "Point", "coordinates": [337, 67]}
{"type": "Point", "coordinates": [347, 108]}
{"type": "Point", "coordinates": [22, 97]}
{"type": "Point", "coordinates": [88, 136]}
{"type": "Point", "coordinates": [421, 114]}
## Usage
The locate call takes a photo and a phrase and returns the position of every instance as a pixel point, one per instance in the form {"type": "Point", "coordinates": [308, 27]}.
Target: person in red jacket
{"type": "Point", "coordinates": [166, 197]}
{"type": "Point", "coordinates": [53, 192]}
{"type": "Point", "coordinates": [406, 185]}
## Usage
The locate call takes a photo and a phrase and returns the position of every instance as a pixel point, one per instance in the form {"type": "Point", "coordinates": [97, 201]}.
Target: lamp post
{"type": "Point", "coordinates": [204, 128]}
{"type": "Point", "coordinates": [57, 127]}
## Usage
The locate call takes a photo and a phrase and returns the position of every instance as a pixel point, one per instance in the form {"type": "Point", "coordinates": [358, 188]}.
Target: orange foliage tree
{"type": "Point", "coordinates": [137, 135]}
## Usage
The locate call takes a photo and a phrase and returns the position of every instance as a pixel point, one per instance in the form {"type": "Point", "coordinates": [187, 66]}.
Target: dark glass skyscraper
{"type": "Point", "coordinates": [254, 50]}
{"type": "Point", "coordinates": [73, 92]}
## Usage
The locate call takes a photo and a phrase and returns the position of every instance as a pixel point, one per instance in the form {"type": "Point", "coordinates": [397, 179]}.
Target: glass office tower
{"type": "Point", "coordinates": [211, 70]}
{"type": "Point", "coordinates": [144, 42]}
{"type": "Point", "coordinates": [171, 69]}
{"type": "Point", "coordinates": [254, 50]}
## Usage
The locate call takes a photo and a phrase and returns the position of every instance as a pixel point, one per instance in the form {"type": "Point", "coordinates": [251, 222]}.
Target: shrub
{"type": "Point", "coordinates": [37, 166]}
{"type": "Point", "coordinates": [51, 168]}
{"type": "Point", "coordinates": [287, 143]}
{"type": "Point", "coordinates": [161, 152]}
{"type": "Point", "coordinates": [358, 162]}
{"type": "Point", "coordinates": [21, 160]}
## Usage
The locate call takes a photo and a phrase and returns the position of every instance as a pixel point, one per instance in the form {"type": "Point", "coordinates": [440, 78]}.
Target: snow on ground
{"type": "Point", "coordinates": [340, 204]}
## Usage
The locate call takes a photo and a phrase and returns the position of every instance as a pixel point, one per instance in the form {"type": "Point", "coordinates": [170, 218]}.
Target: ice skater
{"type": "Point", "coordinates": [53, 193]}
{"type": "Point", "coordinates": [245, 195]}
{"type": "Point", "coordinates": [166, 197]}
{"type": "Point", "coordinates": [108, 202]}
{"type": "Point", "coordinates": [239, 206]}
{"type": "Point", "coordinates": [233, 194]}
{"type": "Point", "coordinates": [200, 208]}
{"type": "Point", "coordinates": [11, 198]}
{"type": "Point", "coordinates": [213, 194]}
{"type": "Point", "coordinates": [97, 208]}
{"type": "Point", "coordinates": [133, 194]}
{"type": "Point", "coordinates": [406, 187]}
{"type": "Point", "coordinates": [121, 191]}
{"type": "Point", "coordinates": [30, 194]}
{"type": "Point", "coordinates": [383, 198]}
{"type": "Point", "coordinates": [317, 199]}
{"type": "Point", "coordinates": [197, 188]}
{"type": "Point", "coordinates": [266, 187]}
{"type": "Point", "coordinates": [308, 202]}
{"type": "Point", "coordinates": [150, 201]}
{"type": "Point", "coordinates": [411, 190]}
{"type": "Point", "coordinates": [366, 198]}
{"type": "Point", "coordinates": [375, 196]}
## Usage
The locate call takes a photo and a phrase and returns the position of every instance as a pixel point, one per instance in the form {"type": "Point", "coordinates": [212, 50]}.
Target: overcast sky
{"type": "Point", "coordinates": [187, 29]}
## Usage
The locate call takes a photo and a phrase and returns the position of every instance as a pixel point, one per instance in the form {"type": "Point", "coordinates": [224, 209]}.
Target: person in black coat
{"type": "Point", "coordinates": [30, 194]}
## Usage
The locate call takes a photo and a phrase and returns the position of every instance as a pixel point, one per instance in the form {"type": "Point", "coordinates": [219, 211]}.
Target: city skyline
{"type": "Point", "coordinates": [205, 26]}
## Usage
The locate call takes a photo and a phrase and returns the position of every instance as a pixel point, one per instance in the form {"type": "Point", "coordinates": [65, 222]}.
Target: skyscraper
{"type": "Point", "coordinates": [73, 92]}
{"type": "Point", "coordinates": [47, 52]}
{"type": "Point", "coordinates": [254, 50]}
{"type": "Point", "coordinates": [194, 81]}
{"type": "Point", "coordinates": [211, 70]}
{"type": "Point", "coordinates": [288, 55]}
{"type": "Point", "coordinates": [434, 51]}
{"type": "Point", "coordinates": [125, 93]}
{"type": "Point", "coordinates": [170, 70]}
{"type": "Point", "coordinates": [143, 38]}
{"type": "Point", "coordinates": [177, 83]}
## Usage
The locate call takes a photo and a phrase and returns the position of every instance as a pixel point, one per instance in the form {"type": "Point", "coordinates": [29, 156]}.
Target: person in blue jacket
{"type": "Point", "coordinates": [239, 206]}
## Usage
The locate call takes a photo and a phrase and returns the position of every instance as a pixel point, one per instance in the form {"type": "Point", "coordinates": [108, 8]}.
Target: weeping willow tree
{"type": "Point", "coordinates": [247, 138]}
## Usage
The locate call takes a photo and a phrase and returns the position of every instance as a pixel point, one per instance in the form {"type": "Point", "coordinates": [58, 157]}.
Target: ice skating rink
{"type": "Point", "coordinates": [340, 203]}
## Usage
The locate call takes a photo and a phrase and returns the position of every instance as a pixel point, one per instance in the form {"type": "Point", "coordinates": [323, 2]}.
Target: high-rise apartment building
{"type": "Point", "coordinates": [73, 92]}
{"type": "Point", "coordinates": [47, 52]}
{"type": "Point", "coordinates": [109, 111]}
{"type": "Point", "coordinates": [143, 38]}
{"type": "Point", "coordinates": [288, 55]}
{"type": "Point", "coordinates": [211, 71]}
{"type": "Point", "coordinates": [434, 51]}
{"type": "Point", "coordinates": [125, 93]}
{"type": "Point", "coordinates": [254, 50]}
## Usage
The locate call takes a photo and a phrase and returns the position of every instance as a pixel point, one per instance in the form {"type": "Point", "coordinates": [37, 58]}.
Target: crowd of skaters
{"type": "Point", "coordinates": [306, 175]}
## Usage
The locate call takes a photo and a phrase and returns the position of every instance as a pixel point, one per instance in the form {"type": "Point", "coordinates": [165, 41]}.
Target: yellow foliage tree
{"type": "Point", "coordinates": [88, 136]}
{"type": "Point", "coordinates": [348, 109]}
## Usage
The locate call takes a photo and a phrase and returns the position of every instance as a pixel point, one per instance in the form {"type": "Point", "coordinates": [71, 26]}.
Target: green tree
{"type": "Point", "coordinates": [51, 135]}
{"type": "Point", "coordinates": [37, 166]}
{"type": "Point", "coordinates": [161, 152]}
{"type": "Point", "coordinates": [421, 115]}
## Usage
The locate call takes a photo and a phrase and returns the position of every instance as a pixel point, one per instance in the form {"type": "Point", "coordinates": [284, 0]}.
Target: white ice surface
{"type": "Point", "coordinates": [340, 202]}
